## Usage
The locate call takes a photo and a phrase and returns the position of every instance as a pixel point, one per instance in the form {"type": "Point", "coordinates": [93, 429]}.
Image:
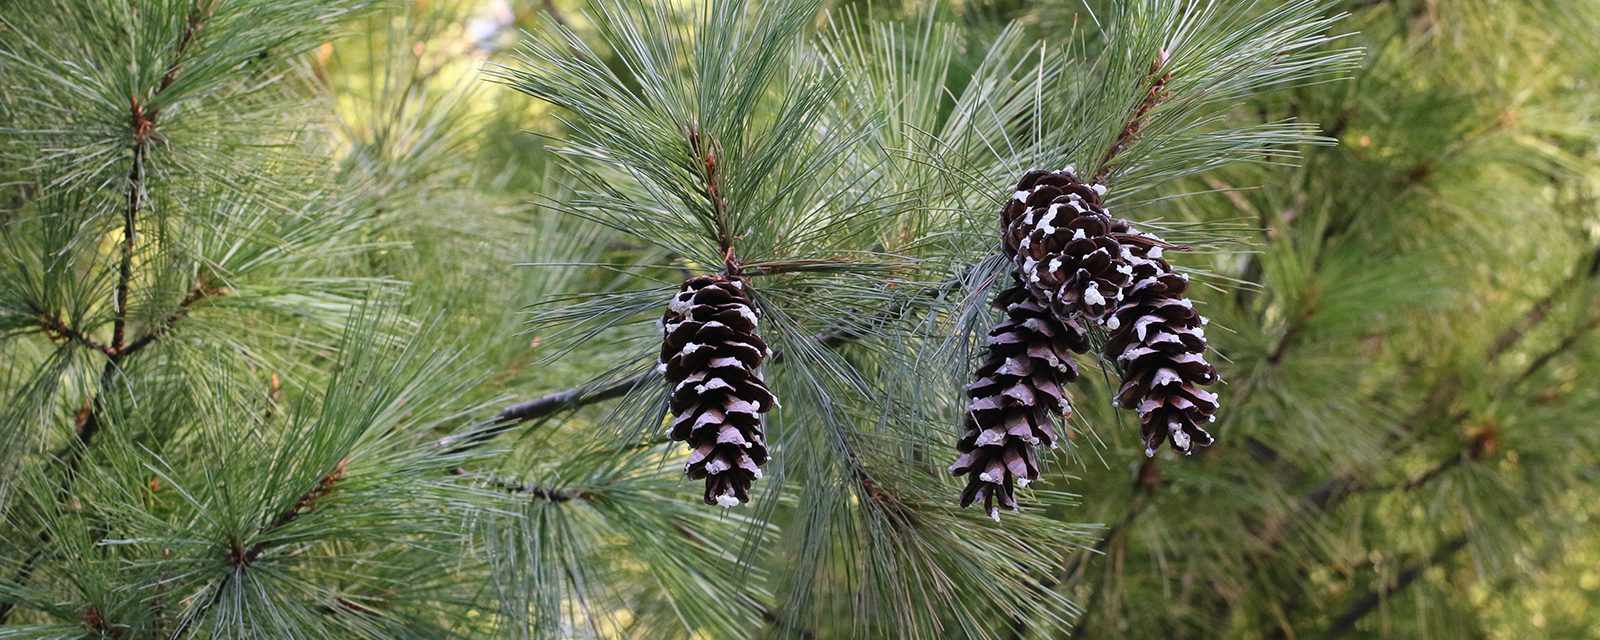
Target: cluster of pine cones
{"type": "Point", "coordinates": [1074, 266]}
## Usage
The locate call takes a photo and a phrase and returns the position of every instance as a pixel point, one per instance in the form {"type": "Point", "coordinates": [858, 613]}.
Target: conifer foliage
{"type": "Point", "coordinates": [267, 370]}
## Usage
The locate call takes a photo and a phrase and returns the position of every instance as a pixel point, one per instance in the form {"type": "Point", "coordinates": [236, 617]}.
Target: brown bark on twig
{"type": "Point", "coordinates": [307, 502]}
{"type": "Point", "coordinates": [1155, 95]}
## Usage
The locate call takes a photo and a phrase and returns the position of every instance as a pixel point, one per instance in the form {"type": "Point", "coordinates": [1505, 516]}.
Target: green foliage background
{"type": "Point", "coordinates": [376, 359]}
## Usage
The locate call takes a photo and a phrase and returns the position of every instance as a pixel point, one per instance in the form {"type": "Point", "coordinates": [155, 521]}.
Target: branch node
{"type": "Point", "coordinates": [242, 556]}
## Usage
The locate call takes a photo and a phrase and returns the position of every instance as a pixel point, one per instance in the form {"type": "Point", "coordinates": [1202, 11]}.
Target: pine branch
{"type": "Point", "coordinates": [58, 330]}
{"type": "Point", "coordinates": [1475, 451]}
{"type": "Point", "coordinates": [1146, 480]}
{"type": "Point", "coordinates": [345, 605]}
{"type": "Point", "coordinates": [1331, 492]}
{"type": "Point", "coordinates": [306, 503]}
{"type": "Point", "coordinates": [581, 396]}
{"type": "Point", "coordinates": [1370, 602]}
{"type": "Point", "coordinates": [143, 123]}
{"type": "Point", "coordinates": [1287, 340]}
{"type": "Point", "coordinates": [1334, 490]}
{"type": "Point", "coordinates": [1155, 95]}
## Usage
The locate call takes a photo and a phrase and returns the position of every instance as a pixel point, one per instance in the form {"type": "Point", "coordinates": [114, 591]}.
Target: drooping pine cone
{"type": "Point", "coordinates": [1158, 343]}
{"type": "Point", "coordinates": [1057, 231]}
{"type": "Point", "coordinates": [1017, 395]}
{"type": "Point", "coordinates": [711, 355]}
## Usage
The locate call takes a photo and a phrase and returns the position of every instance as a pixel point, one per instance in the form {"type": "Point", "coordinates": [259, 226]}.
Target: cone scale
{"type": "Point", "coordinates": [711, 357]}
{"type": "Point", "coordinates": [1018, 394]}
{"type": "Point", "coordinates": [1158, 343]}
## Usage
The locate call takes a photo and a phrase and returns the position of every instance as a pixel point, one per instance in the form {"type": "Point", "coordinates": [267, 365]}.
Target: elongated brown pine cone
{"type": "Point", "coordinates": [1015, 400]}
{"type": "Point", "coordinates": [711, 356]}
{"type": "Point", "coordinates": [1158, 343]}
{"type": "Point", "coordinates": [1058, 233]}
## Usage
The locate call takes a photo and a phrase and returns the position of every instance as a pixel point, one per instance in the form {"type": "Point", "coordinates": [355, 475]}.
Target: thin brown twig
{"type": "Point", "coordinates": [195, 295]}
{"type": "Point", "coordinates": [306, 503]}
{"type": "Point", "coordinates": [141, 125]}
{"type": "Point", "coordinates": [1154, 95]}
{"type": "Point", "coordinates": [197, 17]}
{"type": "Point", "coordinates": [58, 330]}
{"type": "Point", "coordinates": [1588, 268]}
{"type": "Point", "coordinates": [550, 494]}
{"type": "Point", "coordinates": [1567, 343]}
{"type": "Point", "coordinates": [705, 151]}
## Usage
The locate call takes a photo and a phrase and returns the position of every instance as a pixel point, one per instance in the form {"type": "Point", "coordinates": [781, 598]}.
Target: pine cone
{"type": "Point", "coordinates": [1017, 393]}
{"type": "Point", "coordinates": [1158, 343]}
{"type": "Point", "coordinates": [1057, 231]}
{"type": "Point", "coordinates": [710, 355]}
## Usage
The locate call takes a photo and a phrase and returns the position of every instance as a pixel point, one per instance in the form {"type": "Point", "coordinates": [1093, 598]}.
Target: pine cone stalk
{"type": "Point", "coordinates": [711, 358]}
